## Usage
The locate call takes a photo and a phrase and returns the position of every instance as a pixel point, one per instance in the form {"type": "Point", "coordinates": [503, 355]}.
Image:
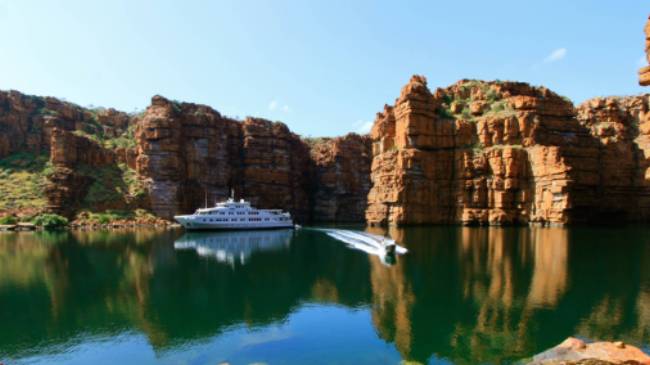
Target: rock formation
{"type": "Point", "coordinates": [174, 156]}
{"type": "Point", "coordinates": [506, 152]}
{"type": "Point", "coordinates": [67, 187]}
{"type": "Point", "coordinates": [189, 153]}
{"type": "Point", "coordinates": [574, 351]}
{"type": "Point", "coordinates": [341, 178]}
{"type": "Point", "coordinates": [644, 72]}
{"type": "Point", "coordinates": [475, 152]}
{"type": "Point", "coordinates": [26, 121]}
{"type": "Point", "coordinates": [184, 155]}
{"type": "Point", "coordinates": [621, 128]}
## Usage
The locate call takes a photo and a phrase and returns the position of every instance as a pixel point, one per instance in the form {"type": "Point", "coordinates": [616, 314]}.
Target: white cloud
{"type": "Point", "coordinates": [363, 126]}
{"type": "Point", "coordinates": [275, 105]}
{"type": "Point", "coordinates": [556, 55]}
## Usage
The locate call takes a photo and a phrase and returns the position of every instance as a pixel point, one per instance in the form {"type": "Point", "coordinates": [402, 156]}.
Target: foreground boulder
{"type": "Point", "coordinates": [574, 351]}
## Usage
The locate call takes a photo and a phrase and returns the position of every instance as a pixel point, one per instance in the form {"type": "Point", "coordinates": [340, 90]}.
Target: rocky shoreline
{"type": "Point", "coordinates": [573, 351]}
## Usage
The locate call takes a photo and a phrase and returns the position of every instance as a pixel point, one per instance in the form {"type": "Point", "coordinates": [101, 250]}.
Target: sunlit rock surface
{"type": "Point", "coordinates": [505, 153]}
{"type": "Point", "coordinates": [576, 352]}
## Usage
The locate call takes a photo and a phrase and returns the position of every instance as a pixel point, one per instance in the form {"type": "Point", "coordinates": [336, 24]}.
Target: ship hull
{"type": "Point", "coordinates": [191, 224]}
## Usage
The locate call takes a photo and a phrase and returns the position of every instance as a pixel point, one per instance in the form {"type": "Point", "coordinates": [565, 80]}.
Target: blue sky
{"type": "Point", "coordinates": [322, 67]}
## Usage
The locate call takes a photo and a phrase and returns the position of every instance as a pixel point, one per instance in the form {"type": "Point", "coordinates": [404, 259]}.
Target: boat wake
{"type": "Point", "coordinates": [383, 247]}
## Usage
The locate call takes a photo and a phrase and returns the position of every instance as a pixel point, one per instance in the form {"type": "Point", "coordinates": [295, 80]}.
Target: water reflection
{"type": "Point", "coordinates": [467, 295]}
{"type": "Point", "coordinates": [234, 246]}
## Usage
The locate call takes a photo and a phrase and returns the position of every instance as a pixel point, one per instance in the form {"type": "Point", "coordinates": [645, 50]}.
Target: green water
{"type": "Point", "coordinates": [460, 296]}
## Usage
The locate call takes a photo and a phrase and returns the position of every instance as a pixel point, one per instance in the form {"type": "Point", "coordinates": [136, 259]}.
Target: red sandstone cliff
{"type": "Point", "coordinates": [474, 152]}
{"type": "Point", "coordinates": [27, 121]}
{"type": "Point", "coordinates": [189, 153]}
{"type": "Point", "coordinates": [503, 153]}
{"type": "Point", "coordinates": [341, 178]}
{"type": "Point", "coordinates": [173, 156]}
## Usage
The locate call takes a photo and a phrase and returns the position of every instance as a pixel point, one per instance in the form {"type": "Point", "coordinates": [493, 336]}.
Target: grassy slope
{"type": "Point", "coordinates": [22, 182]}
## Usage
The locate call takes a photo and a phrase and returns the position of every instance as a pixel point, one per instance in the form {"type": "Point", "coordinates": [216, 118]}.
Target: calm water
{"type": "Point", "coordinates": [461, 296]}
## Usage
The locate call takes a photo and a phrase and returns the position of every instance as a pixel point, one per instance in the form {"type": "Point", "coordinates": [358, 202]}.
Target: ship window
{"type": "Point", "coordinates": [266, 219]}
{"type": "Point", "coordinates": [231, 213]}
{"type": "Point", "coordinates": [243, 219]}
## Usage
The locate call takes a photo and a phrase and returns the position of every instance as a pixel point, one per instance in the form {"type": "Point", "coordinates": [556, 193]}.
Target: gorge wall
{"type": "Point", "coordinates": [174, 157]}
{"type": "Point", "coordinates": [475, 152]}
{"type": "Point", "coordinates": [507, 153]}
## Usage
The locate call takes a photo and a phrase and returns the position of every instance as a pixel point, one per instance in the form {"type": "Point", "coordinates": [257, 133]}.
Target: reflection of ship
{"type": "Point", "coordinates": [234, 246]}
{"type": "Point", "coordinates": [235, 215]}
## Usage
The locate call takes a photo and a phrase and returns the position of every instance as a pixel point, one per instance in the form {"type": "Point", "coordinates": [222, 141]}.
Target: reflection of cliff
{"type": "Point", "coordinates": [509, 293]}
{"type": "Point", "coordinates": [470, 295]}
{"type": "Point", "coordinates": [392, 299]}
{"type": "Point", "coordinates": [550, 254]}
{"type": "Point", "coordinates": [105, 283]}
{"type": "Point", "coordinates": [92, 282]}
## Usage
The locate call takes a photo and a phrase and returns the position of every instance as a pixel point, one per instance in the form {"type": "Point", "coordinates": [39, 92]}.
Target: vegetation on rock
{"type": "Point", "coordinates": [8, 219]}
{"type": "Point", "coordinates": [137, 216]}
{"type": "Point", "coordinates": [50, 221]}
{"type": "Point", "coordinates": [23, 177]}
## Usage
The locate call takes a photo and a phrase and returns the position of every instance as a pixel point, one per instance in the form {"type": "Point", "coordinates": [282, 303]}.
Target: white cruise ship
{"type": "Point", "coordinates": [235, 215]}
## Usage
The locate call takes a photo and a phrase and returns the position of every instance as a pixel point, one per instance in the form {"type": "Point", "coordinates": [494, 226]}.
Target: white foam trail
{"type": "Point", "coordinates": [367, 242]}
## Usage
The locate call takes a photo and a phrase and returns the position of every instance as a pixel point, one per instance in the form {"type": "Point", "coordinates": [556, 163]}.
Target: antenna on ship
{"type": "Point", "coordinates": [206, 197]}
{"type": "Point", "coordinates": [232, 194]}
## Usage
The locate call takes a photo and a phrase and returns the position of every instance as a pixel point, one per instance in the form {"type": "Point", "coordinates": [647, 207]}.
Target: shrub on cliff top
{"type": "Point", "coordinates": [50, 221]}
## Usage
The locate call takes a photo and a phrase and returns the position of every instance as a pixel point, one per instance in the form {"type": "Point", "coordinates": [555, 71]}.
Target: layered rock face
{"type": "Point", "coordinates": [476, 152]}
{"type": "Point", "coordinates": [644, 72]}
{"type": "Point", "coordinates": [189, 154]}
{"type": "Point", "coordinates": [504, 153]}
{"type": "Point", "coordinates": [341, 176]}
{"type": "Point", "coordinates": [26, 122]}
{"type": "Point", "coordinates": [67, 188]}
{"type": "Point", "coordinates": [175, 157]}
{"type": "Point", "coordinates": [74, 138]}
{"type": "Point", "coordinates": [184, 154]}
{"type": "Point", "coordinates": [621, 127]}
